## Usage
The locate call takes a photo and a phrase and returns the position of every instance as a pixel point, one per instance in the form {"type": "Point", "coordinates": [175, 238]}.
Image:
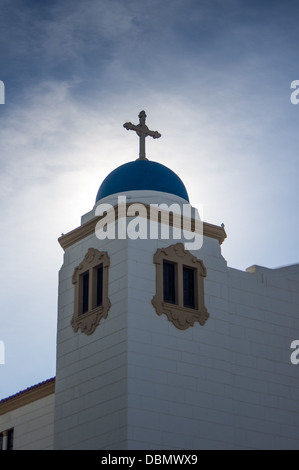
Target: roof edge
{"type": "Point", "coordinates": [29, 395]}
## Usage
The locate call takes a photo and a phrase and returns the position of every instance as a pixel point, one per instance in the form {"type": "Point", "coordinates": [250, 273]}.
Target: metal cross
{"type": "Point", "coordinates": [142, 131]}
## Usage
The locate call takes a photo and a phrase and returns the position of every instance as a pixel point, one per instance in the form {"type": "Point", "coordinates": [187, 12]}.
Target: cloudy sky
{"type": "Point", "coordinates": [214, 78]}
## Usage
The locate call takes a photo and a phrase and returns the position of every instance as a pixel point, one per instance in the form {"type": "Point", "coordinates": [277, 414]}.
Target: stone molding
{"type": "Point", "coordinates": [88, 228]}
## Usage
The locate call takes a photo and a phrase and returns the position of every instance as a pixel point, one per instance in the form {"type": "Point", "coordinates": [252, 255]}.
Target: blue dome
{"type": "Point", "coordinates": [142, 175]}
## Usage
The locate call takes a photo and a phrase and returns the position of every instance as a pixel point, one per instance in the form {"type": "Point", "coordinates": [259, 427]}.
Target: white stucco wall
{"type": "Point", "coordinates": [228, 384]}
{"type": "Point", "coordinates": [33, 424]}
{"type": "Point", "coordinates": [91, 393]}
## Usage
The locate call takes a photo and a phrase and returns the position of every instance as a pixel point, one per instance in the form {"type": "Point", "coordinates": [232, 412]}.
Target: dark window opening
{"type": "Point", "coordinates": [6, 440]}
{"type": "Point", "coordinates": [10, 439]}
{"type": "Point", "coordinates": [100, 285]}
{"type": "Point", "coordinates": [169, 294]}
{"type": "Point", "coordinates": [85, 292]}
{"type": "Point", "coordinates": [189, 287]}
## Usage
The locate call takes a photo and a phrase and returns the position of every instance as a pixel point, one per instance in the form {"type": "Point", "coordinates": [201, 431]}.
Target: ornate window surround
{"type": "Point", "coordinates": [182, 317]}
{"type": "Point", "coordinates": [89, 320]}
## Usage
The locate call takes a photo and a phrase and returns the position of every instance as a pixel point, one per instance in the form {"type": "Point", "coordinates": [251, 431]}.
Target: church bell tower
{"type": "Point", "coordinates": [133, 307]}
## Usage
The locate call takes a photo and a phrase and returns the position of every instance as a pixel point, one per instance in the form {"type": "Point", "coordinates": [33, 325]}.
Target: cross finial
{"type": "Point", "coordinates": [142, 131]}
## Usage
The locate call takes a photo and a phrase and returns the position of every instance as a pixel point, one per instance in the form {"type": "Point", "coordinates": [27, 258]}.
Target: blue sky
{"type": "Point", "coordinates": [214, 79]}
